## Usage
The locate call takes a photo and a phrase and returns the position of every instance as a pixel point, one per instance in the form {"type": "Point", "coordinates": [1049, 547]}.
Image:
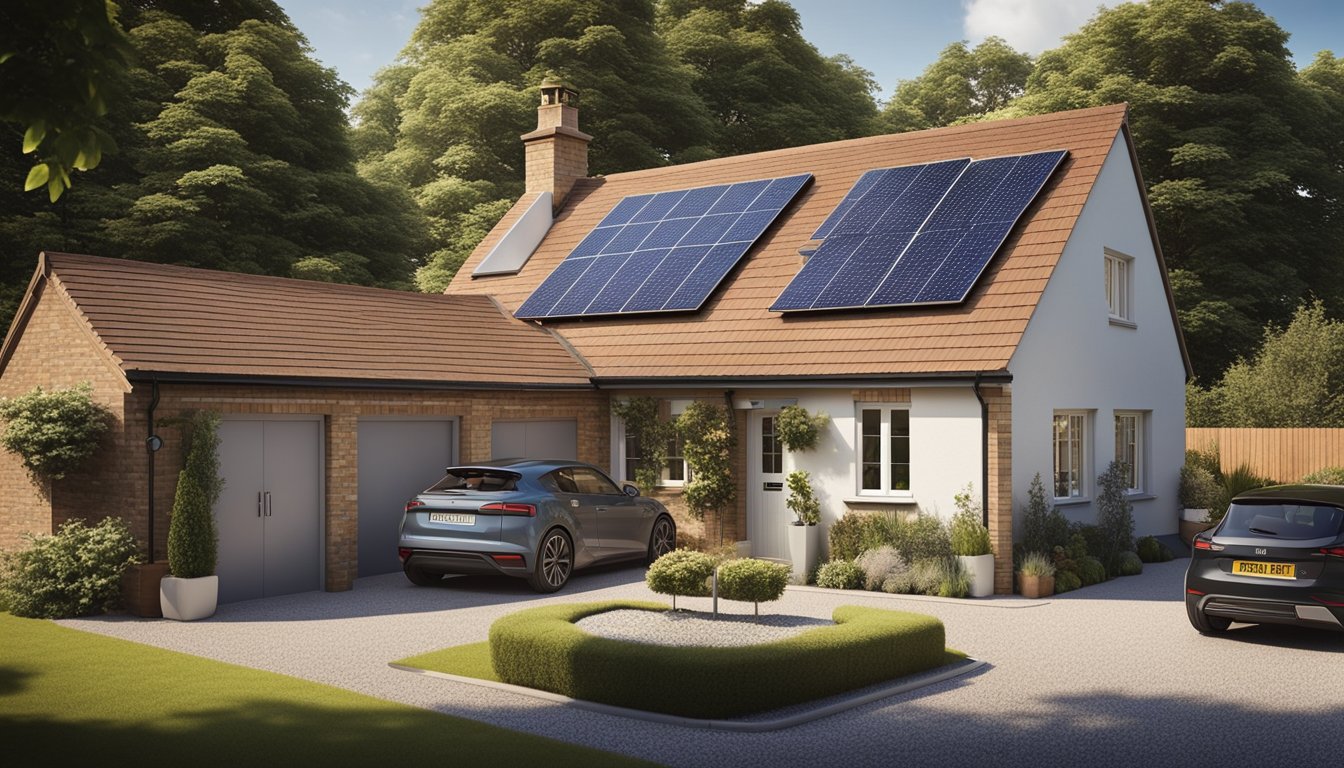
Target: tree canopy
{"type": "Point", "coordinates": [234, 155]}
{"type": "Point", "coordinates": [1240, 154]}
{"type": "Point", "coordinates": [963, 83]}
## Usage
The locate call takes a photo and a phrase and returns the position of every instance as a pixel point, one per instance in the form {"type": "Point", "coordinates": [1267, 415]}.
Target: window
{"type": "Point", "coordinates": [675, 471]}
{"type": "Point", "coordinates": [1117, 285]}
{"type": "Point", "coordinates": [591, 481]}
{"type": "Point", "coordinates": [1070, 440]}
{"type": "Point", "coordinates": [772, 450]}
{"type": "Point", "coordinates": [884, 449]}
{"type": "Point", "coordinates": [1129, 446]}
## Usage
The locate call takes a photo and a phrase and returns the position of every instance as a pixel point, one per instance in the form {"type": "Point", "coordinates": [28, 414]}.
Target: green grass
{"type": "Point", "coordinates": [541, 648]}
{"type": "Point", "coordinates": [70, 697]}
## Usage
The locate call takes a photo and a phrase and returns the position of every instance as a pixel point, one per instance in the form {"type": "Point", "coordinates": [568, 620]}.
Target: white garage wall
{"type": "Point", "coordinates": [1072, 357]}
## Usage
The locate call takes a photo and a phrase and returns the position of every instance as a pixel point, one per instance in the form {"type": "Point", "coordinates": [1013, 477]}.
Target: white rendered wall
{"type": "Point", "coordinates": [1072, 357]}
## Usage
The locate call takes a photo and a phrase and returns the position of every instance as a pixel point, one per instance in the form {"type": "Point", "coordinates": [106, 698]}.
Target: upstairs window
{"type": "Point", "coordinates": [1118, 268]}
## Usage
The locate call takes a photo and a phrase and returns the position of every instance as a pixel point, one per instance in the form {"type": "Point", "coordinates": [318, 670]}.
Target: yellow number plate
{"type": "Point", "coordinates": [1264, 570]}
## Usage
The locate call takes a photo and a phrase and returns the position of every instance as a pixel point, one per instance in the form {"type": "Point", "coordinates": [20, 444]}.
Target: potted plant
{"type": "Point", "coordinates": [971, 545]}
{"type": "Point", "coordinates": [192, 591]}
{"type": "Point", "coordinates": [1036, 577]}
{"type": "Point", "coordinates": [803, 531]}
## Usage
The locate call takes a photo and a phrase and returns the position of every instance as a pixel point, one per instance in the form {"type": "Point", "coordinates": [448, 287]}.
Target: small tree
{"type": "Point", "coordinates": [640, 416]}
{"type": "Point", "coordinates": [1043, 526]}
{"type": "Point", "coordinates": [192, 541]}
{"type": "Point", "coordinates": [708, 440]}
{"type": "Point", "coordinates": [753, 581]}
{"type": "Point", "coordinates": [969, 535]}
{"type": "Point", "coordinates": [1115, 515]}
{"type": "Point", "coordinates": [54, 432]}
{"type": "Point", "coordinates": [802, 502]}
{"type": "Point", "coordinates": [681, 572]}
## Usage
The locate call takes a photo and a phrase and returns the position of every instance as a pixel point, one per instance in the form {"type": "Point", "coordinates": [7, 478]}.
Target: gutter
{"type": "Point", "coordinates": [984, 451]}
{"type": "Point", "coordinates": [961, 378]}
{"type": "Point", "coordinates": [340, 383]}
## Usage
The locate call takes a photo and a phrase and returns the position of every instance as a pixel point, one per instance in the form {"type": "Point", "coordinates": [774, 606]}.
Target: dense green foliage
{"type": "Point", "coordinates": [847, 535]}
{"type": "Point", "coordinates": [1295, 379]}
{"type": "Point", "coordinates": [681, 572]}
{"type": "Point", "coordinates": [963, 83]}
{"type": "Point", "coordinates": [542, 648]}
{"type": "Point", "coordinates": [1043, 526]}
{"type": "Point", "coordinates": [841, 574]}
{"type": "Point", "coordinates": [1326, 476]}
{"type": "Point", "coordinates": [1150, 550]}
{"type": "Point", "coordinates": [799, 430]}
{"type": "Point", "coordinates": [968, 534]}
{"type": "Point", "coordinates": [707, 434]}
{"type": "Point", "coordinates": [753, 581]}
{"type": "Point", "coordinates": [1115, 517]}
{"type": "Point", "coordinates": [1130, 564]}
{"type": "Point", "coordinates": [1037, 564]}
{"type": "Point", "coordinates": [53, 432]}
{"type": "Point", "coordinates": [1067, 581]}
{"type": "Point", "coordinates": [802, 502]}
{"type": "Point", "coordinates": [233, 153]}
{"type": "Point", "coordinates": [71, 573]}
{"type": "Point", "coordinates": [192, 541]}
{"type": "Point", "coordinates": [1237, 150]}
{"type": "Point", "coordinates": [642, 422]}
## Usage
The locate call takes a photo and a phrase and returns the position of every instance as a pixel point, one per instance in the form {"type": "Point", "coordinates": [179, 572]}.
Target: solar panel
{"type": "Point", "coordinates": [917, 234]}
{"type": "Point", "coordinates": [662, 252]}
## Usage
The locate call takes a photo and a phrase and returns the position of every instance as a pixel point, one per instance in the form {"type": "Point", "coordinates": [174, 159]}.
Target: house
{"type": "Point", "coordinates": [1052, 353]}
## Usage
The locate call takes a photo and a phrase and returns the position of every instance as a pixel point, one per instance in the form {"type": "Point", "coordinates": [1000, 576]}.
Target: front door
{"type": "Point", "coordinates": [767, 513]}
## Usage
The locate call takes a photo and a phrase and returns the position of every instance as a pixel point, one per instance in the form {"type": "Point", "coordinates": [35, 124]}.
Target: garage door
{"type": "Point", "coordinates": [557, 439]}
{"type": "Point", "coordinates": [397, 459]}
{"type": "Point", "coordinates": [269, 514]}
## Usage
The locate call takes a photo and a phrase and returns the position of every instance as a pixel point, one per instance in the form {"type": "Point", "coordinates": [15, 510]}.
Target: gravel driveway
{"type": "Point", "coordinates": [1109, 675]}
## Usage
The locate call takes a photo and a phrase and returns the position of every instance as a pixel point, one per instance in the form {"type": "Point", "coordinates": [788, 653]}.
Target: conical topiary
{"type": "Point", "coordinates": [192, 540]}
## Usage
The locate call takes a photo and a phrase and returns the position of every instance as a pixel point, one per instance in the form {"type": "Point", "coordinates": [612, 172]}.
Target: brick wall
{"type": "Point", "coordinates": [55, 351]}
{"type": "Point", "coordinates": [1000, 402]}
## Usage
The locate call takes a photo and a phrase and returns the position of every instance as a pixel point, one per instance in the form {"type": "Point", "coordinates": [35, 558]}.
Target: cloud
{"type": "Point", "coordinates": [1028, 25]}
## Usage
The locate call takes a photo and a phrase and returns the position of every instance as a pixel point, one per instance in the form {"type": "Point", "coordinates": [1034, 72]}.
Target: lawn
{"type": "Point", "coordinates": [70, 697]}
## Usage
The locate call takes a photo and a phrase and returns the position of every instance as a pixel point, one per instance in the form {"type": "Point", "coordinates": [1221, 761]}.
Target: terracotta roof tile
{"type": "Point", "coordinates": [735, 334]}
{"type": "Point", "coordinates": [166, 319]}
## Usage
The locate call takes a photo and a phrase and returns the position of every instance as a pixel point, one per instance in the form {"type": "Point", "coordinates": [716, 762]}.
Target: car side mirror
{"type": "Point", "coordinates": [630, 490]}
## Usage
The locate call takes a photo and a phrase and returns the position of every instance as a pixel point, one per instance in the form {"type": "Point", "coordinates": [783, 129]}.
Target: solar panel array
{"type": "Point", "coordinates": [662, 252]}
{"type": "Point", "coordinates": [918, 234]}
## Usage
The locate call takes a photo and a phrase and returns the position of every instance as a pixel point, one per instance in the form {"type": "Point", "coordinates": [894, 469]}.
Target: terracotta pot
{"type": "Point", "coordinates": [1036, 586]}
{"type": "Point", "coordinates": [140, 589]}
{"type": "Point", "coordinates": [1189, 528]}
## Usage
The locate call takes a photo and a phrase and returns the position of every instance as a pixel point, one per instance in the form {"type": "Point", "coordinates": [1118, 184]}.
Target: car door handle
{"type": "Point", "coordinates": [574, 502]}
{"type": "Point", "coordinates": [268, 503]}
{"type": "Point", "coordinates": [258, 503]}
{"type": "Point", "coordinates": [600, 509]}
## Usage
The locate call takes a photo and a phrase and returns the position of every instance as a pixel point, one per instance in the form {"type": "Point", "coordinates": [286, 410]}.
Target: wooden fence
{"type": "Point", "coordinates": [1282, 454]}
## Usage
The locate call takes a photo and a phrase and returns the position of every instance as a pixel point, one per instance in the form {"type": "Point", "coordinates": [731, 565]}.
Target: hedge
{"type": "Point", "coordinates": [542, 648]}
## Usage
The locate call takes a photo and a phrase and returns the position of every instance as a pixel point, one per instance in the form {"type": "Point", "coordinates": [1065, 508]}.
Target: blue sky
{"type": "Point", "coordinates": [894, 39]}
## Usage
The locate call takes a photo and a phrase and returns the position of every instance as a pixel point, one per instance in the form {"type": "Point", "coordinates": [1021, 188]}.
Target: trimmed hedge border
{"type": "Point", "coordinates": [542, 648]}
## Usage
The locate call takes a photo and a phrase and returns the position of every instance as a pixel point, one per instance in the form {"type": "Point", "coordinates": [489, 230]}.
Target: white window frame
{"type": "Point", "coordinates": [1138, 430]}
{"type": "Point", "coordinates": [1079, 430]}
{"type": "Point", "coordinates": [677, 407]}
{"type": "Point", "coordinates": [884, 453]}
{"type": "Point", "coordinates": [1118, 285]}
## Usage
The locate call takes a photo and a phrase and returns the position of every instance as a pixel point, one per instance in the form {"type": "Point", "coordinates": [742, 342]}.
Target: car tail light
{"type": "Point", "coordinates": [413, 503]}
{"type": "Point", "coordinates": [1209, 545]}
{"type": "Point", "coordinates": [505, 508]}
{"type": "Point", "coordinates": [508, 559]}
{"type": "Point", "coordinates": [1193, 592]}
{"type": "Point", "coordinates": [1333, 551]}
{"type": "Point", "coordinates": [404, 554]}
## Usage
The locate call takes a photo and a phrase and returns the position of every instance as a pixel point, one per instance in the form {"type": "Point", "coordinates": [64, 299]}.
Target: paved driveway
{"type": "Point", "coordinates": [1109, 675]}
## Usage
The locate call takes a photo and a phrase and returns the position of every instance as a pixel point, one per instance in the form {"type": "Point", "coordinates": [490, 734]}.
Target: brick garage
{"type": "Point", "coordinates": [303, 349]}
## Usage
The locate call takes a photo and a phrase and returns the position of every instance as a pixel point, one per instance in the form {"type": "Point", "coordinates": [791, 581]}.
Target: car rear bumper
{"type": "Point", "coordinates": [461, 563]}
{"type": "Point", "coordinates": [1252, 610]}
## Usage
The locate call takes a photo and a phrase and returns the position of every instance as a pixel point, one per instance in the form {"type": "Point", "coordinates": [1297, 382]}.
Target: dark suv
{"type": "Point", "coordinates": [1277, 557]}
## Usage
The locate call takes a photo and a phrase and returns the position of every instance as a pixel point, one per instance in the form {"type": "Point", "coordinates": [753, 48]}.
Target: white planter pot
{"type": "Point", "coordinates": [981, 570]}
{"type": "Point", "coordinates": [188, 599]}
{"type": "Point", "coordinates": [803, 548]}
{"type": "Point", "coordinates": [1195, 515]}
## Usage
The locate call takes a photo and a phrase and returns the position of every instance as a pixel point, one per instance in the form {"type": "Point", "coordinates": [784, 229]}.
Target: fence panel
{"type": "Point", "coordinates": [1282, 454]}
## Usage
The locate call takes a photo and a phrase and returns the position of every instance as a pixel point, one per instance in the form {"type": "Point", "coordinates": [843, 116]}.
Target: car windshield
{"type": "Point", "coordinates": [476, 479]}
{"type": "Point", "coordinates": [1283, 521]}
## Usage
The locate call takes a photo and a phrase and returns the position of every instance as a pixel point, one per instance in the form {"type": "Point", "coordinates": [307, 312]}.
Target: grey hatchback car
{"type": "Point", "coordinates": [527, 518]}
{"type": "Point", "coordinates": [1276, 557]}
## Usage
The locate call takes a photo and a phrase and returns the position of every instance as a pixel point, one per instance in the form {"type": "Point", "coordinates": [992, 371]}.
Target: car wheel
{"type": "Point", "coordinates": [555, 561]}
{"type": "Point", "coordinates": [663, 539]}
{"type": "Point", "coordinates": [420, 578]}
{"type": "Point", "coordinates": [1204, 623]}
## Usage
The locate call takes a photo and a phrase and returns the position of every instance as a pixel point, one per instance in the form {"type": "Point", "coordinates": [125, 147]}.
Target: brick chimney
{"type": "Point", "coordinates": [557, 152]}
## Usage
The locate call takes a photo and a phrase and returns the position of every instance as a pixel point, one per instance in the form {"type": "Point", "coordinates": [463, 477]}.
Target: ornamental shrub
{"type": "Point", "coordinates": [681, 572]}
{"type": "Point", "coordinates": [1153, 551]}
{"type": "Point", "coordinates": [1067, 581]}
{"type": "Point", "coordinates": [1091, 571]}
{"type": "Point", "coordinates": [1037, 564]}
{"type": "Point", "coordinates": [640, 416]}
{"type": "Point", "coordinates": [72, 573]}
{"type": "Point", "coordinates": [192, 541]}
{"type": "Point", "coordinates": [753, 581]}
{"type": "Point", "coordinates": [1130, 564]}
{"type": "Point", "coordinates": [1326, 476]}
{"type": "Point", "coordinates": [802, 502]}
{"type": "Point", "coordinates": [848, 534]}
{"type": "Point", "coordinates": [1115, 516]}
{"type": "Point", "coordinates": [953, 580]}
{"type": "Point", "coordinates": [708, 444]}
{"type": "Point", "coordinates": [1043, 526]}
{"type": "Point", "coordinates": [880, 565]}
{"type": "Point", "coordinates": [799, 430]}
{"type": "Point", "coordinates": [53, 432]}
{"type": "Point", "coordinates": [840, 574]}
{"type": "Point", "coordinates": [968, 535]}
